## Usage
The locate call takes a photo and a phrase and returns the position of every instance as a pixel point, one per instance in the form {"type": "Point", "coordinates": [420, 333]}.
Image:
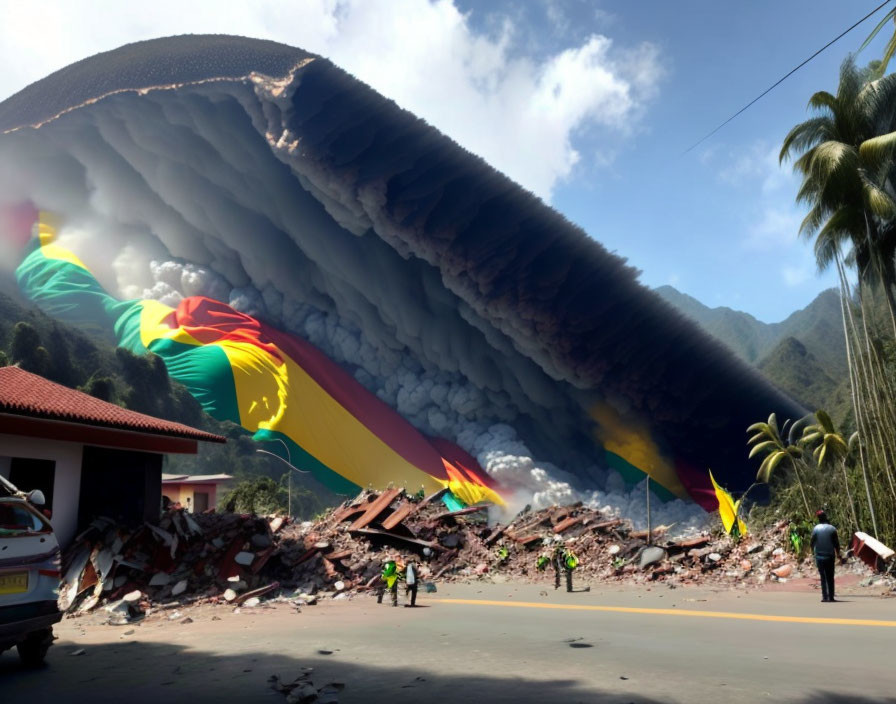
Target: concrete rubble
{"type": "Point", "coordinates": [245, 561]}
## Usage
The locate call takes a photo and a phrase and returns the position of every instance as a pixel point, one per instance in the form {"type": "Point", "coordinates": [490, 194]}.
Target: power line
{"type": "Point", "coordinates": [785, 77]}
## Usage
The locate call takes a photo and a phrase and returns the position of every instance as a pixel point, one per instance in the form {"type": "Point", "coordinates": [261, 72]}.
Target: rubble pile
{"type": "Point", "coordinates": [184, 559]}
{"type": "Point", "coordinates": [239, 559]}
{"type": "Point", "coordinates": [344, 551]}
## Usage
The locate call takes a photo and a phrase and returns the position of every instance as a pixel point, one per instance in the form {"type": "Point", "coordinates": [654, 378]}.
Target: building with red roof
{"type": "Point", "coordinates": [194, 492]}
{"type": "Point", "coordinates": [89, 457]}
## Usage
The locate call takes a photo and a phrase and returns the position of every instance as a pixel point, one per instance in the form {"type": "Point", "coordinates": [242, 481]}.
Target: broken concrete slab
{"type": "Point", "coordinates": [650, 556]}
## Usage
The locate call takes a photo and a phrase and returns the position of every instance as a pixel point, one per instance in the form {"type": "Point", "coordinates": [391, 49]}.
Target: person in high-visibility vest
{"type": "Point", "coordinates": [564, 560]}
{"type": "Point", "coordinates": [388, 580]}
{"type": "Point", "coordinates": [570, 562]}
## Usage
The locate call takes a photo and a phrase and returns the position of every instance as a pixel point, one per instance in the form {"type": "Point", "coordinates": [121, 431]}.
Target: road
{"type": "Point", "coordinates": [488, 643]}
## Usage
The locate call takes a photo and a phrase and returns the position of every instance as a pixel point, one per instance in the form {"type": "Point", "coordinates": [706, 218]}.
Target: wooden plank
{"type": "Point", "coordinates": [642, 534]}
{"type": "Point", "coordinates": [567, 523]}
{"type": "Point", "coordinates": [697, 542]}
{"type": "Point", "coordinates": [496, 533]}
{"type": "Point", "coordinates": [605, 525]}
{"type": "Point", "coordinates": [433, 497]}
{"type": "Point", "coordinates": [527, 540]}
{"type": "Point", "coordinates": [386, 534]}
{"type": "Point", "coordinates": [405, 509]}
{"type": "Point", "coordinates": [462, 512]}
{"type": "Point", "coordinates": [380, 504]}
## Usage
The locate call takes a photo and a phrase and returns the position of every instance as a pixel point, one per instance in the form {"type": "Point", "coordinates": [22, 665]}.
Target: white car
{"type": "Point", "coordinates": [29, 575]}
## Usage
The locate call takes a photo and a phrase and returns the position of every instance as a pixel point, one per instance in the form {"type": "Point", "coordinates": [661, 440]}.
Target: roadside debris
{"type": "Point", "coordinates": [245, 561]}
{"type": "Point", "coordinates": [302, 690]}
{"type": "Point", "coordinates": [872, 552]}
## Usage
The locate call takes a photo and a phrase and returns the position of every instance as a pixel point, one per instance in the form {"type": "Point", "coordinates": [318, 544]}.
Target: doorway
{"type": "Point", "coordinates": [200, 501]}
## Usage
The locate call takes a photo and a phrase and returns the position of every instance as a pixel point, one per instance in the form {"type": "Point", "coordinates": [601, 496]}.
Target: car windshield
{"type": "Point", "coordinates": [17, 519]}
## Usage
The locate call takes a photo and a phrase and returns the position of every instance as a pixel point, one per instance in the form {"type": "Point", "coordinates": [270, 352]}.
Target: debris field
{"type": "Point", "coordinates": [241, 560]}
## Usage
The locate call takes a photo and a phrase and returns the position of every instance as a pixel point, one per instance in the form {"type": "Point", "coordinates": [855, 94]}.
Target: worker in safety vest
{"type": "Point", "coordinates": [565, 560]}
{"type": "Point", "coordinates": [388, 580]}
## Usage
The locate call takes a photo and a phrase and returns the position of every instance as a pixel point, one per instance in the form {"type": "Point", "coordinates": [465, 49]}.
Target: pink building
{"type": "Point", "coordinates": [195, 492]}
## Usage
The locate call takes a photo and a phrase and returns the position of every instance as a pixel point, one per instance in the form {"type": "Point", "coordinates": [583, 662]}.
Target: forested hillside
{"type": "Point", "coordinates": [804, 354]}
{"type": "Point", "coordinates": [67, 356]}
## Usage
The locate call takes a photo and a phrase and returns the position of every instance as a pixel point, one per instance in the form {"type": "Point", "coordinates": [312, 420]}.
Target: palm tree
{"type": "Point", "coordinates": [830, 448]}
{"type": "Point", "coordinates": [890, 49]}
{"type": "Point", "coordinates": [768, 439]}
{"type": "Point", "coordinates": [845, 161]}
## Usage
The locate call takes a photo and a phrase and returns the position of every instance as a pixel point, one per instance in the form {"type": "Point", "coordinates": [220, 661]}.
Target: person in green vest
{"type": "Point", "coordinates": [564, 560]}
{"type": "Point", "coordinates": [388, 580]}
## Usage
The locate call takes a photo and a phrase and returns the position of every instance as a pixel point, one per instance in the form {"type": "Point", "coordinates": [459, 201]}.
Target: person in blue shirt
{"type": "Point", "coordinates": [826, 547]}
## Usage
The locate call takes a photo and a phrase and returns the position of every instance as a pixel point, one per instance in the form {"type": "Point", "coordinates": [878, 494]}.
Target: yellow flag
{"type": "Point", "coordinates": [728, 509]}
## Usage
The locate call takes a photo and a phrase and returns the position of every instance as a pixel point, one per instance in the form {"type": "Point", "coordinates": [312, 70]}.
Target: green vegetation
{"type": "Point", "coordinates": [804, 355]}
{"type": "Point", "coordinates": [261, 496]}
{"type": "Point", "coordinates": [845, 155]}
{"type": "Point", "coordinates": [93, 365]}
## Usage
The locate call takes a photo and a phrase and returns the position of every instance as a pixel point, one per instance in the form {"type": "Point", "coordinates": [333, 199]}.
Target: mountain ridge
{"type": "Point", "coordinates": [804, 354]}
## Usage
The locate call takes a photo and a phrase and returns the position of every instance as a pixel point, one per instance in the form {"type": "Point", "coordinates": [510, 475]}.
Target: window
{"type": "Point", "coordinates": [17, 519]}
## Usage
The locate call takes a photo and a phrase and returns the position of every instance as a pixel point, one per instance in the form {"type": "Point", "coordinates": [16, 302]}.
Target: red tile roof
{"type": "Point", "coordinates": [25, 394]}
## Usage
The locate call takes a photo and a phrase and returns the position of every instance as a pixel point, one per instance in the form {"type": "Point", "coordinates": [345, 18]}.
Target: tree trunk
{"type": "Point", "coordinates": [854, 389]}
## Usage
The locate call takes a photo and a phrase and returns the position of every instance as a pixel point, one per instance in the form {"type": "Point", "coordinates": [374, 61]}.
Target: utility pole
{"type": "Point", "coordinates": [649, 531]}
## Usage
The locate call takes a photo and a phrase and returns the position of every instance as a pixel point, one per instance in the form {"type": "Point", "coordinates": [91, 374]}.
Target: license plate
{"type": "Point", "coordinates": [14, 583]}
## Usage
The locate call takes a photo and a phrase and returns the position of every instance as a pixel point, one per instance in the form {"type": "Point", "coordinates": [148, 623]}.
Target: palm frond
{"type": "Point", "coordinates": [823, 100]}
{"type": "Point", "coordinates": [876, 150]}
{"type": "Point", "coordinates": [762, 447]}
{"type": "Point", "coordinates": [768, 465]}
{"type": "Point", "coordinates": [807, 134]}
{"type": "Point", "coordinates": [879, 201]}
{"type": "Point", "coordinates": [891, 15]}
{"type": "Point", "coordinates": [890, 49]}
{"type": "Point", "coordinates": [824, 420]}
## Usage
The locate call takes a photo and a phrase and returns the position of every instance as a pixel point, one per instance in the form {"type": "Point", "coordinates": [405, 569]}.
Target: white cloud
{"type": "Point", "coordinates": [755, 165]}
{"type": "Point", "coordinates": [771, 229]}
{"type": "Point", "coordinates": [776, 229]}
{"type": "Point", "coordinates": [795, 275]}
{"type": "Point", "coordinates": [519, 113]}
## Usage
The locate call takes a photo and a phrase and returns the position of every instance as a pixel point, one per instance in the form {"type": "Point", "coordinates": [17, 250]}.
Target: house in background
{"type": "Point", "coordinates": [89, 458]}
{"type": "Point", "coordinates": [195, 492]}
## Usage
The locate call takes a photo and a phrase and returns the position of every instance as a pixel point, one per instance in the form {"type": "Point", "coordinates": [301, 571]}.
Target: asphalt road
{"type": "Point", "coordinates": [488, 643]}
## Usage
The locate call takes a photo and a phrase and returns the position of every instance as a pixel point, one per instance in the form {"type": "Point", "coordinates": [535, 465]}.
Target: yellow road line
{"type": "Point", "coordinates": [676, 612]}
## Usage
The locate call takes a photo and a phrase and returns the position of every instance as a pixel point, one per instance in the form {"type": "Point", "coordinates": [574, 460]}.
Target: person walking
{"type": "Point", "coordinates": [826, 546]}
{"type": "Point", "coordinates": [410, 581]}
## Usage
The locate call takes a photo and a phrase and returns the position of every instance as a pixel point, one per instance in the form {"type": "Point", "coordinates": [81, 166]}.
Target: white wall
{"type": "Point", "coordinates": [67, 484]}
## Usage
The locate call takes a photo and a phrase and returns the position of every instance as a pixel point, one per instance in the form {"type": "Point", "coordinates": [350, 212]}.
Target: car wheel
{"type": "Point", "coordinates": [33, 649]}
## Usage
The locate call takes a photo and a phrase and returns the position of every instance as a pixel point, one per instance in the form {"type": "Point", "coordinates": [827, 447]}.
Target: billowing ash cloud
{"type": "Point", "coordinates": [265, 177]}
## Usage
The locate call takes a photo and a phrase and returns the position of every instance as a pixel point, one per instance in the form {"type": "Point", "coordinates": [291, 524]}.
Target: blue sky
{"type": "Point", "coordinates": [589, 104]}
{"type": "Point", "coordinates": [720, 222]}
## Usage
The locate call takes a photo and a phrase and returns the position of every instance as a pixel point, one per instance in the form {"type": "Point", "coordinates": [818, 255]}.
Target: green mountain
{"type": "Point", "coordinates": [804, 354]}
{"type": "Point", "coordinates": [817, 326]}
{"type": "Point", "coordinates": [794, 369]}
